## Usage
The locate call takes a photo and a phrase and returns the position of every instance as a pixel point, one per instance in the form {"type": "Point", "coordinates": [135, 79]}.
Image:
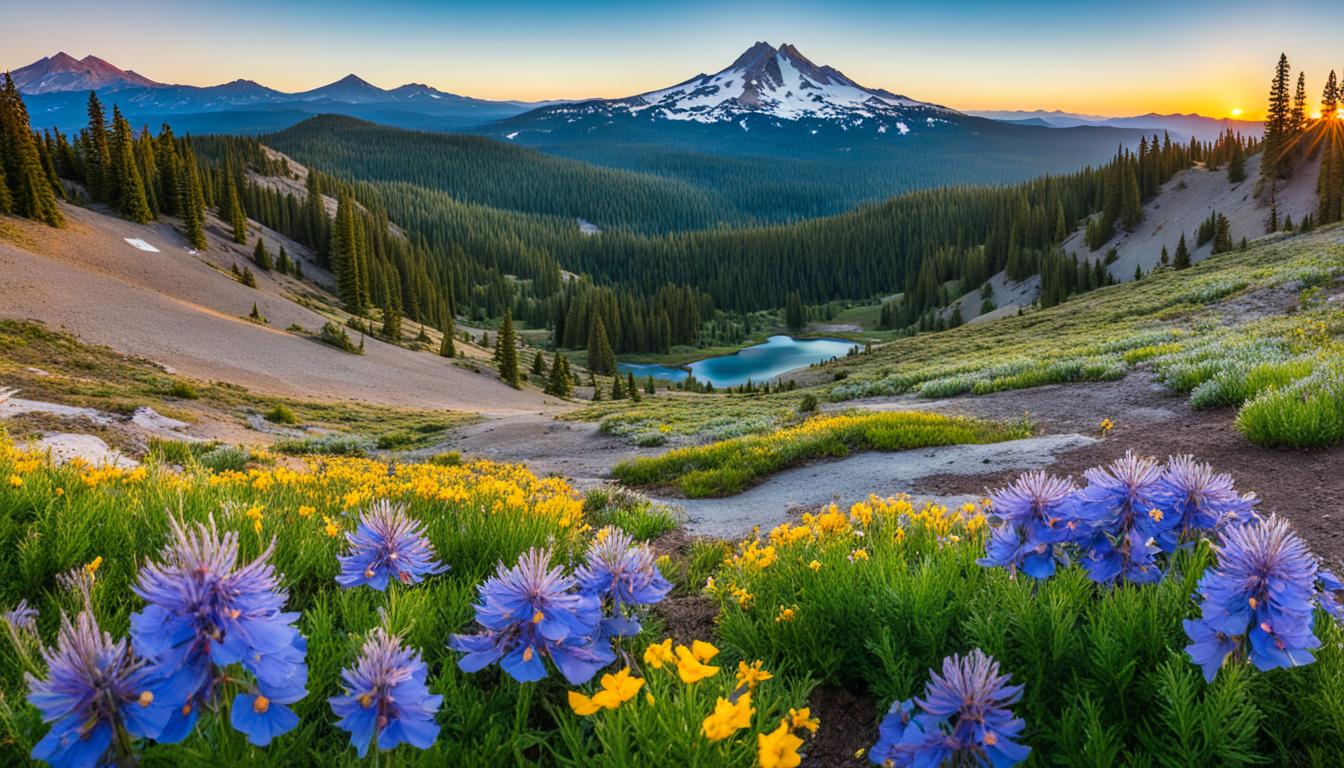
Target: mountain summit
{"type": "Point", "coordinates": [763, 85]}
{"type": "Point", "coordinates": [781, 82]}
{"type": "Point", "coordinates": [63, 72]}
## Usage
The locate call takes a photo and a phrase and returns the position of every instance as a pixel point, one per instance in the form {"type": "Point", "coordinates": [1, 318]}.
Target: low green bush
{"type": "Point", "coordinates": [282, 414]}
{"type": "Point", "coordinates": [1308, 413]}
{"type": "Point", "coordinates": [729, 466]}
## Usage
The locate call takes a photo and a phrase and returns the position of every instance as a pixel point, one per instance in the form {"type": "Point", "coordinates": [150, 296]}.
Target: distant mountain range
{"type": "Point", "coordinates": [56, 91]}
{"type": "Point", "coordinates": [1204, 128]}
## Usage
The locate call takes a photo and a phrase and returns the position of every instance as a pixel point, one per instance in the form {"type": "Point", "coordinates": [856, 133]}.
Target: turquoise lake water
{"type": "Point", "coordinates": [760, 363]}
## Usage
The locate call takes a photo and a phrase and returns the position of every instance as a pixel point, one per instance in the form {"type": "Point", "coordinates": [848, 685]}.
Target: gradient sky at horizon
{"type": "Point", "coordinates": [1093, 57]}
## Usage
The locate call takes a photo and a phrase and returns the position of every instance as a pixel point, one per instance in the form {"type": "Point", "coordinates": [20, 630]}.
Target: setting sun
{"type": "Point", "coordinates": [1236, 111]}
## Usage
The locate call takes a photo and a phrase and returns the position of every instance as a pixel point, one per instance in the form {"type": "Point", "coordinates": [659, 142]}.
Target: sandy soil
{"type": "Point", "coordinates": [183, 310]}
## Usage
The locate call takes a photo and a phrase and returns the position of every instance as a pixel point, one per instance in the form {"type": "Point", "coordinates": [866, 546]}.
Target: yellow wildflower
{"type": "Point", "coordinates": [332, 528]}
{"type": "Point", "coordinates": [703, 651]}
{"type": "Point", "coordinates": [616, 690]}
{"type": "Point", "coordinates": [91, 567]}
{"type": "Point", "coordinates": [815, 565]}
{"type": "Point", "coordinates": [779, 748]}
{"type": "Point", "coordinates": [802, 719]}
{"type": "Point", "coordinates": [691, 669]}
{"type": "Point", "coordinates": [786, 614]}
{"type": "Point", "coordinates": [658, 654]}
{"type": "Point", "coordinates": [858, 554]}
{"type": "Point", "coordinates": [307, 511]}
{"type": "Point", "coordinates": [1106, 426]}
{"type": "Point", "coordinates": [728, 717]}
{"type": "Point", "coordinates": [16, 481]}
{"type": "Point", "coordinates": [751, 674]}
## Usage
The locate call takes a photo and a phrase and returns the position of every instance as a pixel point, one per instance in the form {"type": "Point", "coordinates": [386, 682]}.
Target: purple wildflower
{"type": "Point", "coordinates": [1124, 523]}
{"type": "Point", "coordinates": [205, 613]}
{"type": "Point", "coordinates": [622, 575]}
{"type": "Point", "coordinates": [964, 719]}
{"type": "Point", "coordinates": [1261, 590]}
{"type": "Point", "coordinates": [1200, 499]}
{"type": "Point", "coordinates": [386, 696]}
{"type": "Point", "coordinates": [530, 612]}
{"type": "Point", "coordinates": [22, 619]}
{"type": "Point", "coordinates": [387, 544]}
{"type": "Point", "coordinates": [1034, 517]}
{"type": "Point", "coordinates": [96, 693]}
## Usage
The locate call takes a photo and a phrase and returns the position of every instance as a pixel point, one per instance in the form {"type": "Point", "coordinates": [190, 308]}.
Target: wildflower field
{"type": "Point", "coordinates": [351, 610]}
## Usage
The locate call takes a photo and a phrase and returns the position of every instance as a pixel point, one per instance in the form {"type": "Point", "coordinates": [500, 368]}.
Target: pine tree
{"type": "Point", "coordinates": [1298, 118]}
{"type": "Point", "coordinates": [391, 321]}
{"type": "Point", "coordinates": [631, 389]}
{"type": "Point", "coordinates": [1182, 258]}
{"type": "Point", "coordinates": [508, 350]}
{"type": "Point", "coordinates": [559, 384]}
{"type": "Point", "coordinates": [1330, 97]}
{"type": "Point", "coordinates": [601, 359]}
{"type": "Point", "coordinates": [28, 189]}
{"type": "Point", "coordinates": [447, 348]}
{"type": "Point", "coordinates": [539, 364]}
{"type": "Point", "coordinates": [282, 261]}
{"type": "Point", "coordinates": [1277, 123]}
{"type": "Point", "coordinates": [236, 214]}
{"type": "Point", "coordinates": [1164, 260]}
{"type": "Point", "coordinates": [649, 386]}
{"type": "Point", "coordinates": [617, 390]}
{"type": "Point", "coordinates": [1236, 161]}
{"type": "Point", "coordinates": [192, 199]}
{"type": "Point", "coordinates": [345, 261]}
{"type": "Point", "coordinates": [98, 160]}
{"type": "Point", "coordinates": [262, 257]}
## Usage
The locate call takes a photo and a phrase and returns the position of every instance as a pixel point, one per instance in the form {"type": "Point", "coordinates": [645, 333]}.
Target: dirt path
{"type": "Point", "coordinates": [1304, 486]}
{"type": "Point", "coordinates": [844, 481]}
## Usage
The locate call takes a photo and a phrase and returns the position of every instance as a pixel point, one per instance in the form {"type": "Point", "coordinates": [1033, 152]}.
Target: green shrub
{"type": "Point", "coordinates": [184, 390]}
{"type": "Point", "coordinates": [808, 404]}
{"type": "Point", "coordinates": [446, 459]}
{"type": "Point", "coordinates": [335, 336]}
{"type": "Point", "coordinates": [1308, 413]}
{"type": "Point", "coordinates": [223, 458]}
{"type": "Point", "coordinates": [728, 467]}
{"type": "Point", "coordinates": [327, 445]}
{"type": "Point", "coordinates": [282, 414]}
{"type": "Point", "coordinates": [632, 512]}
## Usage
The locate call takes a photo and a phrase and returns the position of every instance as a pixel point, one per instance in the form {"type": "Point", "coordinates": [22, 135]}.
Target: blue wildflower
{"type": "Point", "coordinates": [622, 575]}
{"type": "Point", "coordinates": [1200, 499]}
{"type": "Point", "coordinates": [388, 544]}
{"type": "Point", "coordinates": [530, 612]}
{"type": "Point", "coordinates": [22, 619]}
{"type": "Point", "coordinates": [1124, 526]}
{"type": "Point", "coordinates": [1328, 584]}
{"type": "Point", "coordinates": [964, 719]}
{"type": "Point", "coordinates": [386, 696]}
{"type": "Point", "coordinates": [1032, 519]}
{"type": "Point", "coordinates": [205, 613]}
{"type": "Point", "coordinates": [1259, 594]}
{"type": "Point", "coordinates": [96, 694]}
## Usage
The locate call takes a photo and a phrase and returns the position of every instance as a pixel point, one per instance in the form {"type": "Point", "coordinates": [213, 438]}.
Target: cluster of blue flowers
{"type": "Point", "coordinates": [1119, 525]}
{"type": "Point", "coordinates": [387, 697]}
{"type": "Point", "coordinates": [1259, 600]}
{"type": "Point", "coordinates": [206, 613]}
{"type": "Point", "coordinates": [387, 545]}
{"type": "Point", "coordinates": [963, 719]}
{"type": "Point", "coordinates": [624, 577]}
{"type": "Point", "coordinates": [96, 693]}
{"type": "Point", "coordinates": [535, 611]}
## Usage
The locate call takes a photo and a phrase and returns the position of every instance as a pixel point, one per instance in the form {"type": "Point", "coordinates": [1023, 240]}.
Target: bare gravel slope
{"type": "Point", "coordinates": [185, 311]}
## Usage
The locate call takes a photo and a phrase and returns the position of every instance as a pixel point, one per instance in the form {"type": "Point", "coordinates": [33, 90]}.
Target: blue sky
{"type": "Point", "coordinates": [1112, 58]}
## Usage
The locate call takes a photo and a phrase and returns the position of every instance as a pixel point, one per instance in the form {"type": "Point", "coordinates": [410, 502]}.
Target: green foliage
{"type": "Point", "coordinates": [326, 445]}
{"type": "Point", "coordinates": [1307, 413]}
{"type": "Point", "coordinates": [633, 513]}
{"type": "Point", "coordinates": [728, 467]}
{"type": "Point", "coordinates": [282, 414]}
{"type": "Point", "coordinates": [875, 605]}
{"type": "Point", "coordinates": [334, 335]}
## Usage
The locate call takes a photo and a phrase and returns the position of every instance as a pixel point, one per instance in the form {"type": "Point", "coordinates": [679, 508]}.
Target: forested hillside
{"type": "Point", "coordinates": [477, 170]}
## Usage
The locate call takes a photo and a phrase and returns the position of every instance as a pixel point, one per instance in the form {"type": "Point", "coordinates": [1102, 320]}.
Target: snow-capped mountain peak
{"type": "Point", "coordinates": [64, 72]}
{"type": "Point", "coordinates": [779, 82]}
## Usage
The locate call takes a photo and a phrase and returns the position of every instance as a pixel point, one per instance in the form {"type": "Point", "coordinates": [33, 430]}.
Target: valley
{"type": "Point", "coordinates": [699, 426]}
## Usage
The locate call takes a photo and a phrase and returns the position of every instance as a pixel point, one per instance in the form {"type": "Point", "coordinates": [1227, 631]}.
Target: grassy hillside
{"type": "Point", "coordinates": [1262, 327]}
